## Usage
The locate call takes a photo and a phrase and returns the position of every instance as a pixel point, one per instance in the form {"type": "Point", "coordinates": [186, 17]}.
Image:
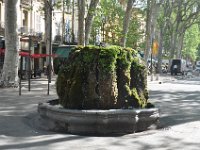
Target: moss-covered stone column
{"type": "Point", "coordinates": [102, 78]}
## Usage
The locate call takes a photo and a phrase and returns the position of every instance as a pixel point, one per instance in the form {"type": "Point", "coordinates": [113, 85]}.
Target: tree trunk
{"type": "Point", "coordinates": [126, 22]}
{"type": "Point", "coordinates": [89, 19]}
{"type": "Point", "coordinates": [180, 44]}
{"type": "Point", "coordinates": [81, 20]}
{"type": "Point", "coordinates": [160, 50]}
{"type": "Point", "coordinates": [48, 28]}
{"type": "Point", "coordinates": [73, 16]}
{"type": "Point", "coordinates": [176, 30]}
{"type": "Point", "coordinates": [48, 36]}
{"type": "Point", "coordinates": [173, 45]}
{"type": "Point", "coordinates": [10, 68]}
{"type": "Point", "coordinates": [63, 22]}
{"type": "Point", "coordinates": [148, 30]}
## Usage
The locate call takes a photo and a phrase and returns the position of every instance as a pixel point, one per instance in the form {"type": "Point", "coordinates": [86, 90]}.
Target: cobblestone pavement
{"type": "Point", "coordinates": [178, 100]}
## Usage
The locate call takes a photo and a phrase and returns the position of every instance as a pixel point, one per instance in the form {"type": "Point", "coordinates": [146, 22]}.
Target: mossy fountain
{"type": "Point", "coordinates": [101, 90]}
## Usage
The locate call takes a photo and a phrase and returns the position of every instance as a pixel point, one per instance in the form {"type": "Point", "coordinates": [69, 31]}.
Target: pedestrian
{"type": "Point", "coordinates": [175, 69]}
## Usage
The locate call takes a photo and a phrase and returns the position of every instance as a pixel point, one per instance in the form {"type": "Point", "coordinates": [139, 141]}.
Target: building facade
{"type": "Point", "coordinates": [31, 22]}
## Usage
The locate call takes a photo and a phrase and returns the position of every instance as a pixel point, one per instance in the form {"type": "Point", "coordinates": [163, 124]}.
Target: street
{"type": "Point", "coordinates": [179, 128]}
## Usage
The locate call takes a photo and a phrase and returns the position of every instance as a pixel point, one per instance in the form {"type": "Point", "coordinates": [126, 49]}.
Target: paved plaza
{"type": "Point", "coordinates": [179, 129]}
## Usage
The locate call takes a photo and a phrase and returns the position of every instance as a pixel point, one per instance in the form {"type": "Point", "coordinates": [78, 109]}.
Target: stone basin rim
{"type": "Point", "coordinates": [60, 108]}
{"type": "Point", "coordinates": [111, 121]}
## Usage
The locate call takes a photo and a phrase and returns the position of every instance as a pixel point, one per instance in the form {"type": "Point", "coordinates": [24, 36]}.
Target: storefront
{"type": "Point", "coordinates": [31, 49]}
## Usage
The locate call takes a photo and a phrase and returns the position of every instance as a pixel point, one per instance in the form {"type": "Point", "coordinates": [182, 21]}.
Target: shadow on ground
{"type": "Point", "coordinates": [177, 107]}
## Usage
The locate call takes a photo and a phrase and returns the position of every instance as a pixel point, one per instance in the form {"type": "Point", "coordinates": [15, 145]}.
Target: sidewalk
{"type": "Point", "coordinates": [180, 121]}
{"type": "Point", "coordinates": [168, 78]}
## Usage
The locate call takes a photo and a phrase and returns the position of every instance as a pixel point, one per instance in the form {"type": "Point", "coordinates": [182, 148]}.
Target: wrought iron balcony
{"type": "Point", "coordinates": [28, 31]}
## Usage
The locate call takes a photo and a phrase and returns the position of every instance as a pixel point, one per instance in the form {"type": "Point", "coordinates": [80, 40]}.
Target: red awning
{"type": "Point", "coordinates": [26, 54]}
{"type": "Point", "coordinates": [36, 55]}
{"type": "Point", "coordinates": [23, 53]}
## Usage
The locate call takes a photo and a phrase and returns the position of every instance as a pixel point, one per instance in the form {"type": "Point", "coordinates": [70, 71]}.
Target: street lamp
{"type": "Point", "coordinates": [29, 72]}
{"type": "Point", "coordinates": [29, 62]}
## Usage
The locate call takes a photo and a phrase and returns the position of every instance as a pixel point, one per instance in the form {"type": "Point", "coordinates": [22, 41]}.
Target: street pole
{"type": "Point", "coordinates": [73, 16]}
{"type": "Point", "coordinates": [152, 59]}
{"type": "Point", "coordinates": [29, 60]}
{"type": "Point", "coordinates": [151, 67]}
{"type": "Point", "coordinates": [20, 77]}
{"type": "Point", "coordinates": [103, 32]}
{"type": "Point", "coordinates": [29, 65]}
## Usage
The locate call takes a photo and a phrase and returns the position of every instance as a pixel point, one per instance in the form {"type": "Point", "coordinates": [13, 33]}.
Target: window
{"type": "Point", "coordinates": [38, 23]}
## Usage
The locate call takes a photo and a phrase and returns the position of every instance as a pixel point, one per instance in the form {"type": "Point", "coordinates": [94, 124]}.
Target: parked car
{"type": "Point", "coordinates": [197, 65]}
{"type": "Point", "coordinates": [178, 66]}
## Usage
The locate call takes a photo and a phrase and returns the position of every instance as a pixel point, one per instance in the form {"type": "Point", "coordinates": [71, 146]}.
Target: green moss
{"type": "Point", "coordinates": [127, 88]}
{"type": "Point", "coordinates": [88, 54]}
{"type": "Point", "coordinates": [125, 60]}
{"type": "Point", "coordinates": [140, 99]}
{"type": "Point", "coordinates": [60, 86]}
{"type": "Point", "coordinates": [103, 66]}
{"type": "Point", "coordinates": [134, 93]}
{"type": "Point", "coordinates": [76, 96]}
{"type": "Point", "coordinates": [108, 59]}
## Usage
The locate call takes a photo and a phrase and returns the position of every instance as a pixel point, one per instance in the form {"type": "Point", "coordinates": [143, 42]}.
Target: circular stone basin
{"type": "Point", "coordinates": [113, 121]}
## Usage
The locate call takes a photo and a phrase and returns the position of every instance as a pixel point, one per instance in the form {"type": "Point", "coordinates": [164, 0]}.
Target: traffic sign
{"type": "Point", "coordinates": [155, 47]}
